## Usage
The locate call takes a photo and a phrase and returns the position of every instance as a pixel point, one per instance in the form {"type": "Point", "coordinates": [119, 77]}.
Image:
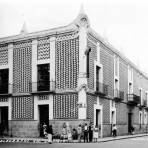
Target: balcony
{"type": "Point", "coordinates": [42, 87]}
{"type": "Point", "coordinates": [118, 95]}
{"type": "Point", "coordinates": [5, 89]}
{"type": "Point", "coordinates": [101, 89]}
{"type": "Point", "coordinates": [145, 104]}
{"type": "Point", "coordinates": [133, 99]}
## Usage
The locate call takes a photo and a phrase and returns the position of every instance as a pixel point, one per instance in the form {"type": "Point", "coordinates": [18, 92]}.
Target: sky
{"type": "Point", "coordinates": [124, 23]}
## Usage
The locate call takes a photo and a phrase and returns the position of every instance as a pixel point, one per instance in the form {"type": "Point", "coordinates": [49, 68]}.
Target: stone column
{"type": "Point", "coordinates": [34, 77]}
{"type": "Point", "coordinates": [52, 75]}
{"type": "Point", "coordinates": [82, 80]}
{"type": "Point", "coordinates": [34, 66]}
{"type": "Point", "coordinates": [10, 63]}
{"type": "Point", "coordinates": [52, 62]}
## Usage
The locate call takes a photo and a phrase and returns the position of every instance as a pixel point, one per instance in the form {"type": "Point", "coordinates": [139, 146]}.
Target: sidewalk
{"type": "Point", "coordinates": [43, 140]}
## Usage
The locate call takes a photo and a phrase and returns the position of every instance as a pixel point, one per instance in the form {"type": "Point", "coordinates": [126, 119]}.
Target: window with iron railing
{"type": "Point", "coordinates": [43, 83]}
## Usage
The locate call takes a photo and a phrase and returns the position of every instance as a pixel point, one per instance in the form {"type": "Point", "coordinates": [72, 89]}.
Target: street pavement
{"type": "Point", "coordinates": [122, 143]}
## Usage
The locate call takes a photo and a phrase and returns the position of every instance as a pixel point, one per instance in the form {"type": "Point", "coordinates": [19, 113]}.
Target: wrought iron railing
{"type": "Point", "coordinates": [101, 88]}
{"type": "Point", "coordinates": [42, 86]}
{"type": "Point", "coordinates": [133, 99]}
{"type": "Point", "coordinates": [118, 95]}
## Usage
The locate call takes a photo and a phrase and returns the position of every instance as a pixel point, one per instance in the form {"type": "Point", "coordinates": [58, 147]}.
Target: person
{"type": "Point", "coordinates": [79, 130]}
{"type": "Point", "coordinates": [132, 130]}
{"type": "Point", "coordinates": [63, 133]}
{"type": "Point", "coordinates": [114, 130]}
{"type": "Point", "coordinates": [49, 133]}
{"type": "Point", "coordinates": [44, 129]}
{"type": "Point", "coordinates": [69, 134]}
{"type": "Point", "coordinates": [95, 133]}
{"type": "Point", "coordinates": [86, 133]}
{"type": "Point", "coordinates": [90, 131]}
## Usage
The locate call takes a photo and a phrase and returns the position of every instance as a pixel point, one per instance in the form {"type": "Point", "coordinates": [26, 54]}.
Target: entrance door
{"type": "Point", "coordinates": [43, 117]}
{"type": "Point", "coordinates": [4, 118]}
{"type": "Point", "coordinates": [98, 120]}
{"type": "Point", "coordinates": [129, 122]}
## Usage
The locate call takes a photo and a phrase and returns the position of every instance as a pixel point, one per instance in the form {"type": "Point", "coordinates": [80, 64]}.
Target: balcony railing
{"type": "Point", "coordinates": [5, 89]}
{"type": "Point", "coordinates": [133, 99]}
{"type": "Point", "coordinates": [118, 95]}
{"type": "Point", "coordinates": [42, 86]}
{"type": "Point", "coordinates": [101, 89]}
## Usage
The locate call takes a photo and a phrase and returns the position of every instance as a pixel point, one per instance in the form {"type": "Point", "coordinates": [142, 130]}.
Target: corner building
{"type": "Point", "coordinates": [69, 74]}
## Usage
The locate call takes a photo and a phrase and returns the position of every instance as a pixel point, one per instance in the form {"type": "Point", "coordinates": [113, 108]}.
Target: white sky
{"type": "Point", "coordinates": [124, 23]}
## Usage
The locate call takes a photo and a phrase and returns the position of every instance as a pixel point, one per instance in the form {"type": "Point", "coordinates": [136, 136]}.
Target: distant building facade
{"type": "Point", "coordinates": [69, 74]}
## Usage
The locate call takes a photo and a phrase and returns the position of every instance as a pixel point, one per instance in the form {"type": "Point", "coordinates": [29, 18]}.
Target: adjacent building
{"type": "Point", "coordinates": [69, 74]}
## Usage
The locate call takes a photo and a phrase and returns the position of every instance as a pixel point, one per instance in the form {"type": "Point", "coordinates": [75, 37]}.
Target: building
{"type": "Point", "coordinates": [69, 74]}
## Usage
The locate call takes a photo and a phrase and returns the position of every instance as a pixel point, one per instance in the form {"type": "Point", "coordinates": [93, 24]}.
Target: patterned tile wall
{"type": "Point", "coordinates": [91, 100]}
{"type": "Point", "coordinates": [22, 55]}
{"type": "Point", "coordinates": [43, 48]}
{"type": "Point", "coordinates": [3, 55]}
{"type": "Point", "coordinates": [22, 108]}
{"type": "Point", "coordinates": [93, 57]}
{"type": "Point", "coordinates": [67, 61]}
{"type": "Point", "coordinates": [65, 106]}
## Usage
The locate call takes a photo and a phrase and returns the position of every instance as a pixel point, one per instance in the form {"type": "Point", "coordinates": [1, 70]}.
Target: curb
{"type": "Point", "coordinates": [120, 138]}
{"type": "Point", "coordinates": [29, 140]}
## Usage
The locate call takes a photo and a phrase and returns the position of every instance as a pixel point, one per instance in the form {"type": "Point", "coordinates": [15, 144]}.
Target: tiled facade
{"type": "Point", "coordinates": [69, 74]}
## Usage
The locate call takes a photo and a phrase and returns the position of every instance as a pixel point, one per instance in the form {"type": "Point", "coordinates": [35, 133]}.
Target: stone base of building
{"type": "Point", "coordinates": [23, 129]}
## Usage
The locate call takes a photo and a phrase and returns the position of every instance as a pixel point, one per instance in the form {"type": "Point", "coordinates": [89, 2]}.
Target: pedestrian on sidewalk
{"type": "Point", "coordinates": [69, 132]}
{"type": "Point", "coordinates": [79, 130]}
{"type": "Point", "coordinates": [114, 130]}
{"type": "Point", "coordinates": [90, 131]}
{"type": "Point", "coordinates": [96, 133]}
{"type": "Point", "coordinates": [86, 133]}
{"type": "Point", "coordinates": [44, 129]}
{"type": "Point", "coordinates": [49, 133]}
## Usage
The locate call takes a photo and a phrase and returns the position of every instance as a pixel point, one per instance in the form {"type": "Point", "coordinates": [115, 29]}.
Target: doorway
{"type": "Point", "coordinates": [4, 119]}
{"type": "Point", "coordinates": [98, 120]}
{"type": "Point", "coordinates": [43, 117]}
{"type": "Point", "coordinates": [129, 122]}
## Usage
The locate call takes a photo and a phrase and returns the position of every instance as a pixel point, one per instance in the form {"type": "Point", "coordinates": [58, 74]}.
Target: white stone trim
{"type": "Point", "coordinates": [112, 109]}
{"type": "Point", "coordinates": [34, 63]}
{"type": "Point", "coordinates": [100, 107]}
{"type": "Point", "coordinates": [52, 59]}
{"type": "Point", "coordinates": [10, 64]}
{"type": "Point", "coordinates": [43, 102]}
{"type": "Point", "coordinates": [7, 104]}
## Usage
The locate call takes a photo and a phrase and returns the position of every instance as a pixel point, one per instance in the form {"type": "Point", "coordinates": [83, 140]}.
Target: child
{"type": "Point", "coordinates": [96, 134]}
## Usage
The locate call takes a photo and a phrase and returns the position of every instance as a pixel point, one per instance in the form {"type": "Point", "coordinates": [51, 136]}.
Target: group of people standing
{"type": "Point", "coordinates": [85, 132]}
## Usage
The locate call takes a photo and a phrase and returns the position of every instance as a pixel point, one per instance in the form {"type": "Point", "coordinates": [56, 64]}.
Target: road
{"type": "Point", "coordinates": [126, 143]}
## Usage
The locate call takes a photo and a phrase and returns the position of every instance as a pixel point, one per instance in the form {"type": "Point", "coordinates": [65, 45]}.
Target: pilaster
{"type": "Point", "coordinates": [34, 65]}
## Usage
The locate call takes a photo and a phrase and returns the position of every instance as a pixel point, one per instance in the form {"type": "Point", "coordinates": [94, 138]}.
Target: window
{"type": "Point", "coordinates": [97, 77]}
{"type": "Point", "coordinates": [87, 62]}
{"type": "Point", "coordinates": [43, 77]}
{"type": "Point", "coordinates": [4, 81]}
{"type": "Point", "coordinates": [140, 119]}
